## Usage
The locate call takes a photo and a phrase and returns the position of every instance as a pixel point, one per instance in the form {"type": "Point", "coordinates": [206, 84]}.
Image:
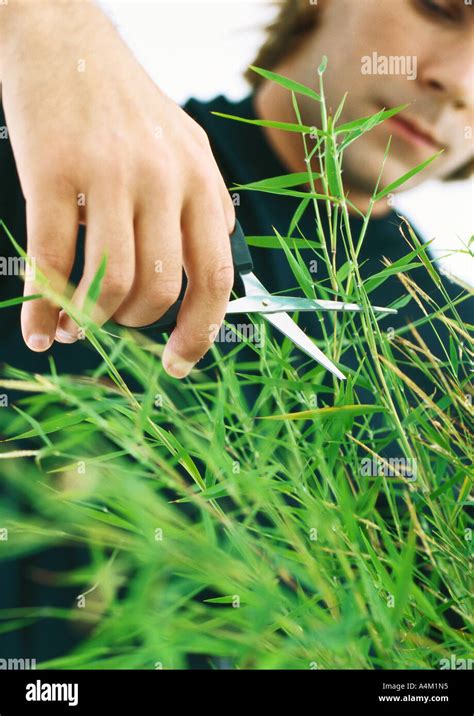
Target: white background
{"type": "Point", "coordinates": [200, 48]}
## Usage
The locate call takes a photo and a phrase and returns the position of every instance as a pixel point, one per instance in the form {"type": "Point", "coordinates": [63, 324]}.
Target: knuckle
{"type": "Point", "coordinates": [204, 174]}
{"type": "Point", "coordinates": [229, 212]}
{"type": "Point", "coordinates": [116, 169]}
{"type": "Point", "coordinates": [117, 282]}
{"type": "Point", "coordinates": [220, 279]}
{"type": "Point", "coordinates": [201, 136]}
{"type": "Point", "coordinates": [52, 186]}
{"type": "Point", "coordinates": [107, 163]}
{"type": "Point", "coordinates": [160, 164]}
{"type": "Point", "coordinates": [160, 298]}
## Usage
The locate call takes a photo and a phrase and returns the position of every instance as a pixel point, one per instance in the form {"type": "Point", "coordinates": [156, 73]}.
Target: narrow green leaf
{"type": "Point", "coordinates": [282, 182]}
{"type": "Point", "coordinates": [340, 108]}
{"type": "Point", "coordinates": [403, 179]}
{"type": "Point", "coordinates": [329, 412]}
{"type": "Point", "coordinates": [272, 242]}
{"type": "Point", "coordinates": [359, 124]}
{"type": "Point", "coordinates": [287, 83]}
{"type": "Point", "coordinates": [404, 578]}
{"type": "Point", "coordinates": [379, 278]}
{"type": "Point", "coordinates": [20, 299]}
{"type": "Point", "coordinates": [94, 289]}
{"type": "Point", "coordinates": [453, 354]}
{"type": "Point", "coordinates": [299, 269]}
{"type": "Point", "coordinates": [303, 205]}
{"type": "Point", "coordinates": [332, 167]}
{"type": "Point", "coordinates": [286, 126]}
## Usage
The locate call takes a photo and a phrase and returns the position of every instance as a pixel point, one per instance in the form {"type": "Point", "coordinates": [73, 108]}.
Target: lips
{"type": "Point", "coordinates": [415, 131]}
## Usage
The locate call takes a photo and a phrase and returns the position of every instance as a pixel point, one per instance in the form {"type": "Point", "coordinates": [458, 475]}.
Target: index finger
{"type": "Point", "coordinates": [207, 260]}
{"type": "Point", "coordinates": [52, 225]}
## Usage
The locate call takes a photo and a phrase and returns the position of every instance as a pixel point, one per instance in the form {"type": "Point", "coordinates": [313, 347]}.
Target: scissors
{"type": "Point", "coordinates": [274, 309]}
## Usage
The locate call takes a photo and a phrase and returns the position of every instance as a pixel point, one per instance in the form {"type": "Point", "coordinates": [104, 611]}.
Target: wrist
{"type": "Point", "coordinates": [22, 22]}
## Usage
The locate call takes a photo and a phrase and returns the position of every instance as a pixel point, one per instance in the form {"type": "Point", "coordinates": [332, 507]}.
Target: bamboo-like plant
{"type": "Point", "coordinates": [269, 535]}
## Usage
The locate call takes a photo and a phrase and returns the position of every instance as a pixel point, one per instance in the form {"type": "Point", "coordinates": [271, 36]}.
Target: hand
{"type": "Point", "coordinates": [96, 142]}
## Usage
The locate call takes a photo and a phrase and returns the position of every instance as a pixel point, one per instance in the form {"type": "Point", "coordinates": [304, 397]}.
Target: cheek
{"type": "Point", "coordinates": [389, 28]}
{"type": "Point", "coordinates": [370, 29]}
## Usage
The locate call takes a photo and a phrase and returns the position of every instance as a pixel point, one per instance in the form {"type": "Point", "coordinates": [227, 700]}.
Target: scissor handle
{"type": "Point", "coordinates": [242, 261]}
{"type": "Point", "coordinates": [240, 250]}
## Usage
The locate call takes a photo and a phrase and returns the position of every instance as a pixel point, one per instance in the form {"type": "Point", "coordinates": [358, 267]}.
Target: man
{"type": "Point", "coordinates": [153, 191]}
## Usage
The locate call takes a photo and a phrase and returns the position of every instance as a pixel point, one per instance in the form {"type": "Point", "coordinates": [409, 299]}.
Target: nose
{"type": "Point", "coordinates": [451, 74]}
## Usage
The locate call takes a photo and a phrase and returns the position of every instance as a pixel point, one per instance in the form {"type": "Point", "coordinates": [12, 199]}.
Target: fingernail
{"type": "Point", "coordinates": [176, 366]}
{"type": "Point", "coordinates": [38, 342]}
{"type": "Point", "coordinates": [63, 336]}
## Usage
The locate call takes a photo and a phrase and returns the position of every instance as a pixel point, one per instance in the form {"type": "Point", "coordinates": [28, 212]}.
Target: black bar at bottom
{"type": "Point", "coordinates": [396, 692]}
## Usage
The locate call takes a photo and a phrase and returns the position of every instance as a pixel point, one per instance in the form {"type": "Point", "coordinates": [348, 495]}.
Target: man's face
{"type": "Point", "coordinates": [386, 53]}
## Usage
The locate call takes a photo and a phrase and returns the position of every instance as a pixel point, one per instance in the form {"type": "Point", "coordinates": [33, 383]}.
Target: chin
{"type": "Point", "coordinates": [363, 166]}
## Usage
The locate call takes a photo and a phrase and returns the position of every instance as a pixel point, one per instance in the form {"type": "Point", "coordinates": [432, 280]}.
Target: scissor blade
{"type": "Point", "coordinates": [267, 303]}
{"type": "Point", "coordinates": [284, 323]}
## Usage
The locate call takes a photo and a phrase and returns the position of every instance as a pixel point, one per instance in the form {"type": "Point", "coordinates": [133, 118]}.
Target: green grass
{"type": "Point", "coordinates": [250, 533]}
